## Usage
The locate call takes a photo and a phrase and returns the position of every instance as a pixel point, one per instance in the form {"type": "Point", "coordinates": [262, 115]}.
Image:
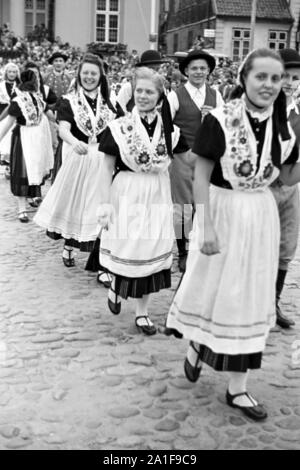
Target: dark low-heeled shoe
{"type": "Point", "coordinates": [256, 412]}
{"type": "Point", "coordinates": [282, 320]}
{"type": "Point", "coordinates": [114, 307]}
{"type": "Point", "coordinates": [104, 279]}
{"type": "Point", "coordinates": [23, 217]}
{"type": "Point", "coordinates": [171, 332]}
{"type": "Point", "coordinates": [192, 372]}
{"type": "Point", "coordinates": [148, 329]}
{"type": "Point", "coordinates": [33, 203]}
{"type": "Point", "coordinates": [70, 261]}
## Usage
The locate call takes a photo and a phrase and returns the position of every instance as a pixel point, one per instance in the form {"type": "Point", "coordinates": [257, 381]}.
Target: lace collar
{"type": "Point", "coordinates": [259, 115]}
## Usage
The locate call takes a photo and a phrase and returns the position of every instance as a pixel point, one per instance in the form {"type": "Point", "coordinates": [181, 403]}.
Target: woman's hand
{"type": "Point", "coordinates": [210, 244]}
{"type": "Point", "coordinates": [105, 216]}
{"type": "Point", "coordinates": [80, 147]}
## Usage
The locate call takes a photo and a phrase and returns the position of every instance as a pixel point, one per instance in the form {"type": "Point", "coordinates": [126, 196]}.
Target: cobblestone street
{"type": "Point", "coordinates": [73, 376]}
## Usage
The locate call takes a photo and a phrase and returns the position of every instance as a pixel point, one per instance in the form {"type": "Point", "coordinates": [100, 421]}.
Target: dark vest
{"type": "Point", "coordinates": [188, 117]}
{"type": "Point", "coordinates": [294, 120]}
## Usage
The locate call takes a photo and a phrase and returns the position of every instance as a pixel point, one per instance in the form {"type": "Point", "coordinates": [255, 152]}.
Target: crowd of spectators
{"type": "Point", "coordinates": [120, 66]}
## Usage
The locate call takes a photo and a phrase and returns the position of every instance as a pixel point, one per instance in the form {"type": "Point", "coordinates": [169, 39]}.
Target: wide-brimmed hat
{"type": "Point", "coordinates": [150, 57]}
{"type": "Point", "coordinates": [290, 57]}
{"type": "Point", "coordinates": [194, 55]}
{"type": "Point", "coordinates": [57, 55]}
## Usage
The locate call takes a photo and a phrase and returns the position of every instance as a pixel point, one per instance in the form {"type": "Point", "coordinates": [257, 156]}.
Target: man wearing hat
{"type": "Point", "coordinates": [151, 59]}
{"type": "Point", "coordinates": [58, 80]}
{"type": "Point", "coordinates": [287, 197]}
{"type": "Point", "coordinates": [189, 103]}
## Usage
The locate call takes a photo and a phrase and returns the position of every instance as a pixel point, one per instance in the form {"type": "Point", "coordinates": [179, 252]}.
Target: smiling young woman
{"type": "Point", "coordinates": [225, 304]}
{"type": "Point", "coordinates": [69, 209]}
{"type": "Point", "coordinates": [136, 209]}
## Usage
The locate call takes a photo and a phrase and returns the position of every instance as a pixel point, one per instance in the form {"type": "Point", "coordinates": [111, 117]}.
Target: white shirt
{"type": "Point", "coordinates": [198, 95]}
{"type": "Point", "coordinates": [124, 95]}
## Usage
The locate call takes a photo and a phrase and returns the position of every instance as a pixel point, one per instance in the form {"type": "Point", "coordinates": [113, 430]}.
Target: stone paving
{"type": "Point", "coordinates": [73, 376]}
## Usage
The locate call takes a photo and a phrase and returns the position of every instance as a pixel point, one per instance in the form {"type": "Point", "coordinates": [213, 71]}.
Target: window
{"type": "Point", "coordinates": [190, 39]}
{"type": "Point", "coordinates": [100, 28]}
{"type": "Point", "coordinates": [278, 39]}
{"type": "Point", "coordinates": [40, 4]}
{"type": "Point", "coordinates": [114, 5]}
{"type": "Point", "coordinates": [101, 5]}
{"type": "Point", "coordinates": [107, 21]}
{"type": "Point", "coordinates": [240, 44]}
{"type": "Point", "coordinates": [36, 13]}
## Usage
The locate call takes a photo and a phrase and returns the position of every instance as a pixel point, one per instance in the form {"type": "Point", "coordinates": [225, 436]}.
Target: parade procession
{"type": "Point", "coordinates": [150, 208]}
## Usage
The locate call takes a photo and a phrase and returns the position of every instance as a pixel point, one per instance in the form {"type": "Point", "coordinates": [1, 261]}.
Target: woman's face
{"type": "Point", "coordinates": [145, 95]}
{"type": "Point", "coordinates": [263, 82]}
{"type": "Point", "coordinates": [90, 76]}
{"type": "Point", "coordinates": [11, 74]}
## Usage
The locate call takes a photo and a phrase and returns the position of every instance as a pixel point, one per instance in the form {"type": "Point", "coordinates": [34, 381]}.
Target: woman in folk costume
{"type": "Point", "coordinates": [225, 303]}
{"type": "Point", "coordinates": [50, 99]}
{"type": "Point", "coordinates": [69, 209]}
{"type": "Point", "coordinates": [136, 209]}
{"type": "Point", "coordinates": [31, 157]}
{"type": "Point", "coordinates": [11, 78]}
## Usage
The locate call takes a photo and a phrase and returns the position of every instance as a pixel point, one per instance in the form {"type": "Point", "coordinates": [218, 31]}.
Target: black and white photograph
{"type": "Point", "coordinates": [149, 227]}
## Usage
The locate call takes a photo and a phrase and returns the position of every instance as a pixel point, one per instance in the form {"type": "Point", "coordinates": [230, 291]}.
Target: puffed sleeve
{"type": "Point", "coordinates": [210, 139]}
{"type": "Point", "coordinates": [293, 157]}
{"type": "Point", "coordinates": [107, 143]}
{"type": "Point", "coordinates": [14, 110]}
{"type": "Point", "coordinates": [64, 111]}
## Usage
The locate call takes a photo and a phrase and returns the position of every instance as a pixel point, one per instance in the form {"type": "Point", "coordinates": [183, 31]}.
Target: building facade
{"type": "Point", "coordinates": [80, 22]}
{"type": "Point", "coordinates": [224, 25]}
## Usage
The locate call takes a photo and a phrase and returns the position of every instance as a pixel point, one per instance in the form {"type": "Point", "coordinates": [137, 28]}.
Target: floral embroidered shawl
{"type": "Point", "coordinates": [32, 112]}
{"type": "Point", "coordinates": [137, 151]}
{"type": "Point", "coordinates": [87, 122]}
{"type": "Point", "coordinates": [240, 163]}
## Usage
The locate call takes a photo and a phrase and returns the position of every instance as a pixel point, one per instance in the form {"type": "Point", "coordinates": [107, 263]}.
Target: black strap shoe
{"type": "Point", "coordinates": [256, 412]}
{"type": "Point", "coordinates": [23, 217]}
{"type": "Point", "coordinates": [192, 372]}
{"type": "Point", "coordinates": [114, 307]}
{"type": "Point", "coordinates": [104, 279]}
{"type": "Point", "coordinates": [70, 261]}
{"type": "Point", "coordinates": [282, 320]}
{"type": "Point", "coordinates": [148, 329]}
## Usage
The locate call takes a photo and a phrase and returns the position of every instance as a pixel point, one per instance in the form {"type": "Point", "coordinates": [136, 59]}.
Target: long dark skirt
{"type": "Point", "coordinates": [18, 173]}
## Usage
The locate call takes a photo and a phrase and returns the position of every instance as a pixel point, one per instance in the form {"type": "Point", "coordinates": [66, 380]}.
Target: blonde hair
{"type": "Point", "coordinates": [11, 65]}
{"type": "Point", "coordinates": [149, 74]}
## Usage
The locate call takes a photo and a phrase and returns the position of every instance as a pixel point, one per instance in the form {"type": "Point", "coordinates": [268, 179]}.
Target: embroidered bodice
{"type": "Point", "coordinates": [240, 163]}
{"type": "Point", "coordinates": [137, 150]}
